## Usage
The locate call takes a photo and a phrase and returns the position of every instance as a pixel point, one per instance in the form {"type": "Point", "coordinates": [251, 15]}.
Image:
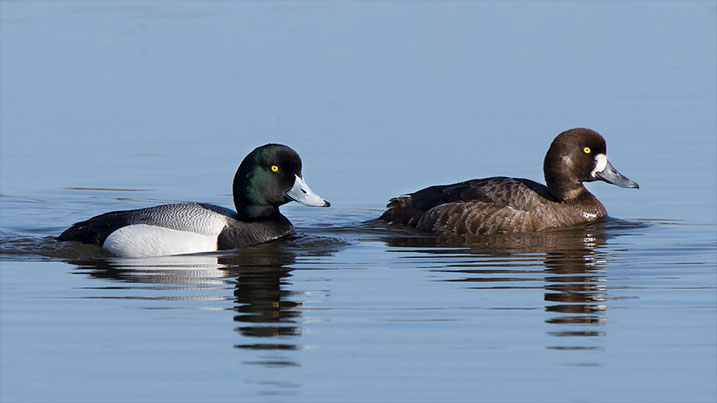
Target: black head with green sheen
{"type": "Point", "coordinates": [269, 177]}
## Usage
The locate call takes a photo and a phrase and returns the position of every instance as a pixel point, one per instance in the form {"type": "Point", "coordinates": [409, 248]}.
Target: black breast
{"type": "Point", "coordinates": [239, 234]}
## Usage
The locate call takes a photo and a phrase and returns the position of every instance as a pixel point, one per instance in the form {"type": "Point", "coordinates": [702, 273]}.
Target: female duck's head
{"type": "Point", "coordinates": [576, 156]}
{"type": "Point", "coordinates": [269, 177]}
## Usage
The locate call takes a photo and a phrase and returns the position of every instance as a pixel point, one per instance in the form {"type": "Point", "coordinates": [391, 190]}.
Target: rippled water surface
{"type": "Point", "coordinates": [119, 105]}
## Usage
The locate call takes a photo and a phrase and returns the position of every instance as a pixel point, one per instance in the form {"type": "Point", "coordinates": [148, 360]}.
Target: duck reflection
{"type": "Point", "coordinates": [572, 274]}
{"type": "Point", "coordinates": [267, 312]}
{"type": "Point", "coordinates": [265, 309]}
{"type": "Point", "coordinates": [576, 288]}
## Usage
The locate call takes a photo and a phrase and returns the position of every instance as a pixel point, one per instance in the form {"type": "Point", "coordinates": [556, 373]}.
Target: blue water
{"type": "Point", "coordinates": [116, 105]}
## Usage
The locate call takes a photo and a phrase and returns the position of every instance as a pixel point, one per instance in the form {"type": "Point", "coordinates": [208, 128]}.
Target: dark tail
{"type": "Point", "coordinates": [95, 230]}
{"type": "Point", "coordinates": [401, 210]}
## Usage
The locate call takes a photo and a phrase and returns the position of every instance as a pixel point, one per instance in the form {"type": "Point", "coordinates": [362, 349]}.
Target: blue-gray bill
{"type": "Point", "coordinates": [302, 193]}
{"type": "Point", "coordinates": [613, 176]}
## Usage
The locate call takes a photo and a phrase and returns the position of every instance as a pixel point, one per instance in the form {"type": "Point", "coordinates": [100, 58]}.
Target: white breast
{"type": "Point", "coordinates": [142, 240]}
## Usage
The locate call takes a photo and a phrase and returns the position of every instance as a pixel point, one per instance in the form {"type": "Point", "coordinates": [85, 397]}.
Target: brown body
{"type": "Point", "coordinates": [505, 205]}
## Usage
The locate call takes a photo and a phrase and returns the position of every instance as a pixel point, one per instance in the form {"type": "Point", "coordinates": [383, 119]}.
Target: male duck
{"type": "Point", "coordinates": [267, 178]}
{"type": "Point", "coordinates": [505, 205]}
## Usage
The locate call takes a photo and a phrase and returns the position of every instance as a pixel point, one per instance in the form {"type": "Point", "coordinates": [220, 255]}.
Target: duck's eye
{"type": "Point", "coordinates": [274, 168]}
{"type": "Point", "coordinates": [586, 150]}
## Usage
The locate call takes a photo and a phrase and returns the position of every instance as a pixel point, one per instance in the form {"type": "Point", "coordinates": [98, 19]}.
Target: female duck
{"type": "Point", "coordinates": [505, 205]}
{"type": "Point", "coordinates": [267, 178]}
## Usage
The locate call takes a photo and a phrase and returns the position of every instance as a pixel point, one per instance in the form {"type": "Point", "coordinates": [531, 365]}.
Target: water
{"type": "Point", "coordinates": [117, 105]}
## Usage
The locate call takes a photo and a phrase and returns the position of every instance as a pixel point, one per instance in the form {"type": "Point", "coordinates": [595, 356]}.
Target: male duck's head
{"type": "Point", "coordinates": [576, 156]}
{"type": "Point", "coordinates": [269, 177]}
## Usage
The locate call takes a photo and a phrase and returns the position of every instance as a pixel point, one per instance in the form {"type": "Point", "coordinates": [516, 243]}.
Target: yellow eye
{"type": "Point", "coordinates": [586, 150]}
{"type": "Point", "coordinates": [274, 168]}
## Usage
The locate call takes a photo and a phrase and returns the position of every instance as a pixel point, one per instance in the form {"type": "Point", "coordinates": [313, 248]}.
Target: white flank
{"type": "Point", "coordinates": [600, 164]}
{"type": "Point", "coordinates": [142, 240]}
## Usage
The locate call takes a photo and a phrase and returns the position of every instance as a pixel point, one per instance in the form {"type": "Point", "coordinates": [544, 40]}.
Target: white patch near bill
{"type": "Point", "coordinates": [142, 240]}
{"type": "Point", "coordinates": [600, 164]}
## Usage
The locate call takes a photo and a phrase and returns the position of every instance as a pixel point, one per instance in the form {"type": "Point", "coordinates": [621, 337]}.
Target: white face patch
{"type": "Point", "coordinates": [600, 164]}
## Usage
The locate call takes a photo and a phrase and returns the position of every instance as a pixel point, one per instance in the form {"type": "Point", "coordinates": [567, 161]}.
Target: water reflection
{"type": "Point", "coordinates": [267, 312]}
{"type": "Point", "coordinates": [569, 265]}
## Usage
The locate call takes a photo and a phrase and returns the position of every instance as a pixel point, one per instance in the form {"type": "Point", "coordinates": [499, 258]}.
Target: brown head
{"type": "Point", "coordinates": [577, 156]}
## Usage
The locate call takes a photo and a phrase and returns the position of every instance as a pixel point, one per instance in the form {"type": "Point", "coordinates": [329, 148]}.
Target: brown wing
{"type": "Point", "coordinates": [486, 196]}
{"type": "Point", "coordinates": [474, 218]}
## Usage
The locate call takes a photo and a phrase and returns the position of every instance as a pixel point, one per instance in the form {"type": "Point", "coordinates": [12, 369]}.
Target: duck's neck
{"type": "Point", "coordinates": [565, 190]}
{"type": "Point", "coordinates": [248, 201]}
{"type": "Point", "coordinates": [252, 212]}
{"type": "Point", "coordinates": [577, 195]}
{"type": "Point", "coordinates": [255, 213]}
{"type": "Point", "coordinates": [561, 186]}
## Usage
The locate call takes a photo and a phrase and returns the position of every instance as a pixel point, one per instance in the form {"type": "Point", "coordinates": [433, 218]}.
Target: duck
{"type": "Point", "coordinates": [500, 205]}
{"type": "Point", "coordinates": [268, 177]}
